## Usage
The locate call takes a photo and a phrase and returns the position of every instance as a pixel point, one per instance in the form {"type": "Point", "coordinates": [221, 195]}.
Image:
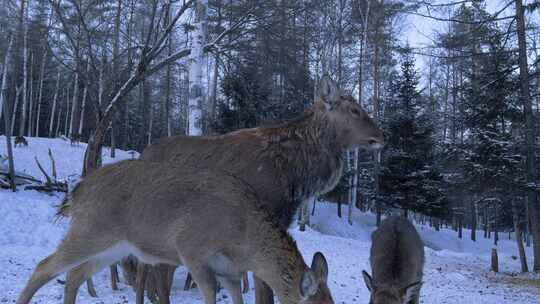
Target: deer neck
{"type": "Point", "coordinates": [278, 262]}
{"type": "Point", "coordinates": [316, 165]}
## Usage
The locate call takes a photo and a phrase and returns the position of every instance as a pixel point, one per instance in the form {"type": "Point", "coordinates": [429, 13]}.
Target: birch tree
{"type": "Point", "coordinates": [196, 90]}
{"type": "Point", "coordinates": [53, 109]}
{"type": "Point", "coordinates": [4, 106]}
{"type": "Point", "coordinates": [22, 125]}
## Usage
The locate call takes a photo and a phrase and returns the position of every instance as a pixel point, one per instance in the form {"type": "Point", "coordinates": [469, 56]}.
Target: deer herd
{"type": "Point", "coordinates": [221, 206]}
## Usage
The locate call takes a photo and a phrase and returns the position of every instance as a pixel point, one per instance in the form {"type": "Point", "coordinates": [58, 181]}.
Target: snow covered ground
{"type": "Point", "coordinates": [457, 271]}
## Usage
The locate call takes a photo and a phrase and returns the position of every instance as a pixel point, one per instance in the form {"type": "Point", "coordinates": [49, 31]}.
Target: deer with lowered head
{"type": "Point", "coordinates": [286, 164]}
{"type": "Point", "coordinates": [397, 263]}
{"type": "Point", "coordinates": [212, 222]}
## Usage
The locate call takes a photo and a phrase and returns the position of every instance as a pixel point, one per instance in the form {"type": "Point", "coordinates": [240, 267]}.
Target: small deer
{"type": "Point", "coordinates": [75, 139]}
{"type": "Point", "coordinates": [210, 221]}
{"type": "Point", "coordinates": [20, 140]}
{"type": "Point", "coordinates": [397, 263]}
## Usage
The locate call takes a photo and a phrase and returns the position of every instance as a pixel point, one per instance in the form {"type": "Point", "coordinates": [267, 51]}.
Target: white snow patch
{"type": "Point", "coordinates": [457, 271]}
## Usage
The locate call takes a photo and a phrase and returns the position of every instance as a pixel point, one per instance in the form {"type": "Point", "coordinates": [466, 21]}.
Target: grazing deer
{"type": "Point", "coordinates": [286, 164]}
{"type": "Point", "coordinates": [20, 140]}
{"type": "Point", "coordinates": [397, 263]}
{"type": "Point", "coordinates": [210, 221]}
{"type": "Point", "coordinates": [75, 139]}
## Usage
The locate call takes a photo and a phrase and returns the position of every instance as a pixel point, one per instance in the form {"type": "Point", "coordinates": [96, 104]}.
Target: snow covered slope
{"type": "Point", "coordinates": [456, 270]}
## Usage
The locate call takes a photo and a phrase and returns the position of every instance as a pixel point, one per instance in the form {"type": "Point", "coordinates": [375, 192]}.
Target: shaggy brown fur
{"type": "Point", "coordinates": [285, 164]}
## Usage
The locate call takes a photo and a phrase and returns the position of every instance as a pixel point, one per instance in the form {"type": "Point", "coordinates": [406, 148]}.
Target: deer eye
{"type": "Point", "coordinates": [355, 111]}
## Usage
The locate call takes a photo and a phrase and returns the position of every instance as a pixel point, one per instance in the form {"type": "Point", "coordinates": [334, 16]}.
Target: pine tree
{"type": "Point", "coordinates": [409, 178]}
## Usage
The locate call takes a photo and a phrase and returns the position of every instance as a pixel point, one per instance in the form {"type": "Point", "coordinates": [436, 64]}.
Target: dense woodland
{"type": "Point", "coordinates": [461, 114]}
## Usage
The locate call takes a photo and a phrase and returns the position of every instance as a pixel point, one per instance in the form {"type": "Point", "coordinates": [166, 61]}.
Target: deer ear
{"type": "Point", "coordinates": [320, 267]}
{"type": "Point", "coordinates": [411, 291]}
{"type": "Point", "coordinates": [368, 280]}
{"type": "Point", "coordinates": [308, 284]}
{"type": "Point", "coordinates": [328, 91]}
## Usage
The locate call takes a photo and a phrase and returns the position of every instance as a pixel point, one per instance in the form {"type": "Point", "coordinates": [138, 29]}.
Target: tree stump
{"type": "Point", "coordinates": [494, 260]}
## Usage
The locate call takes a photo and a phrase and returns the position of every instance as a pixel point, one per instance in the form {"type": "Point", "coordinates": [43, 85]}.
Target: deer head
{"type": "Point", "coordinates": [353, 125]}
{"type": "Point", "coordinates": [390, 294]}
{"type": "Point", "coordinates": [313, 288]}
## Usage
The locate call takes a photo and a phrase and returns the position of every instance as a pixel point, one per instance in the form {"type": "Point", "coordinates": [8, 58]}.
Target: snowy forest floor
{"type": "Point", "coordinates": [456, 271]}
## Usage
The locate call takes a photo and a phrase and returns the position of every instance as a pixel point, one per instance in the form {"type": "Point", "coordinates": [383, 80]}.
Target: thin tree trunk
{"type": "Point", "coordinates": [53, 110]}
{"type": "Point", "coordinates": [168, 91]}
{"type": "Point", "coordinates": [41, 78]}
{"type": "Point", "coordinates": [5, 107]}
{"type": "Point", "coordinates": [363, 47]}
{"type": "Point", "coordinates": [150, 126]}
{"type": "Point", "coordinates": [58, 121]}
{"type": "Point", "coordinates": [532, 199]}
{"type": "Point", "coordinates": [73, 124]}
{"type": "Point", "coordinates": [473, 221]}
{"type": "Point", "coordinates": [66, 127]}
{"type": "Point", "coordinates": [22, 124]}
{"type": "Point", "coordinates": [519, 238]}
{"type": "Point", "coordinates": [15, 108]}
{"type": "Point", "coordinates": [304, 215]}
{"type": "Point", "coordinates": [354, 189]}
{"type": "Point", "coordinates": [339, 203]}
{"type": "Point", "coordinates": [83, 105]}
{"type": "Point", "coordinates": [31, 98]}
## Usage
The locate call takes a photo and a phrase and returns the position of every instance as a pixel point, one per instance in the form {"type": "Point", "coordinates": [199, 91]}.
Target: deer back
{"type": "Point", "coordinates": [397, 252]}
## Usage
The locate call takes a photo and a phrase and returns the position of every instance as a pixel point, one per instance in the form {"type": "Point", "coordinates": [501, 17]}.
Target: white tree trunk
{"type": "Point", "coordinates": [66, 127]}
{"type": "Point", "coordinates": [53, 110]}
{"type": "Point", "coordinates": [15, 108]}
{"type": "Point", "coordinates": [1, 86]}
{"type": "Point", "coordinates": [196, 90]}
{"type": "Point", "coordinates": [74, 106]}
{"type": "Point", "coordinates": [3, 91]}
{"type": "Point", "coordinates": [4, 107]}
{"type": "Point", "coordinates": [354, 184]}
{"type": "Point", "coordinates": [150, 126]}
{"type": "Point", "coordinates": [25, 73]}
{"type": "Point", "coordinates": [31, 98]}
{"type": "Point", "coordinates": [83, 105]}
{"type": "Point", "coordinates": [40, 93]}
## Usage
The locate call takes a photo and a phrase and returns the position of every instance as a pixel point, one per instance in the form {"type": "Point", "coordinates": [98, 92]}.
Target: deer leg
{"type": "Point", "coordinates": [79, 274]}
{"type": "Point", "coordinates": [245, 283]}
{"type": "Point", "coordinates": [114, 277]}
{"type": "Point", "coordinates": [163, 277]}
{"type": "Point", "coordinates": [206, 282]}
{"type": "Point", "coordinates": [142, 271]}
{"type": "Point", "coordinates": [234, 287]}
{"type": "Point", "coordinates": [70, 253]}
{"type": "Point", "coordinates": [91, 289]}
{"type": "Point", "coordinates": [263, 293]}
{"type": "Point", "coordinates": [189, 282]}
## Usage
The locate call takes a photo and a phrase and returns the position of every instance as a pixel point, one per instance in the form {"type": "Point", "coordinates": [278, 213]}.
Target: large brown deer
{"type": "Point", "coordinates": [211, 222]}
{"type": "Point", "coordinates": [397, 263]}
{"type": "Point", "coordinates": [286, 164]}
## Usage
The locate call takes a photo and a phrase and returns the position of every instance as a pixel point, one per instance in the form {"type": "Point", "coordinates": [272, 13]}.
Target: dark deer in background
{"type": "Point", "coordinates": [20, 141]}
{"type": "Point", "coordinates": [210, 221]}
{"type": "Point", "coordinates": [397, 263]}
{"type": "Point", "coordinates": [286, 164]}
